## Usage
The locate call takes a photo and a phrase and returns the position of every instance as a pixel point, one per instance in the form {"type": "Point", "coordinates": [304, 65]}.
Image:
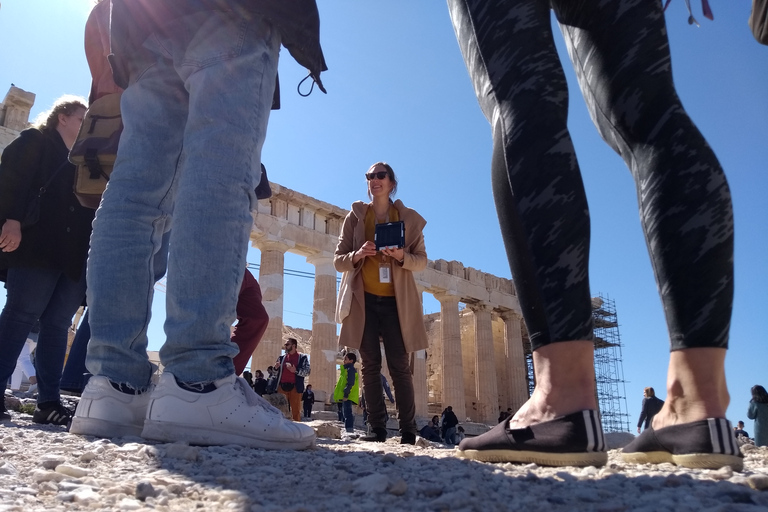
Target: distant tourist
{"type": "Point", "coordinates": [259, 382]}
{"type": "Point", "coordinates": [448, 426]}
{"type": "Point", "coordinates": [431, 431]}
{"type": "Point", "coordinates": [292, 368]}
{"type": "Point", "coordinates": [347, 391]}
{"type": "Point", "coordinates": [307, 400]}
{"type": "Point", "coordinates": [758, 411]}
{"type": "Point", "coordinates": [650, 407]}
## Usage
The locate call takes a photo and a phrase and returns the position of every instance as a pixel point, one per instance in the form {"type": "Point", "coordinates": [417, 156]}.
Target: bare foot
{"type": "Point", "coordinates": [565, 383]}
{"type": "Point", "coordinates": [696, 387]}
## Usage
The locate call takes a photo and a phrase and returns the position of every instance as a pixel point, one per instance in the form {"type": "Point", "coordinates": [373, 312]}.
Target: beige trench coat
{"type": "Point", "coordinates": [350, 306]}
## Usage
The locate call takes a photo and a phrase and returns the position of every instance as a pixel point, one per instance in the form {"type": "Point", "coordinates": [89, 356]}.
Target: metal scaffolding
{"type": "Point", "coordinates": [609, 369]}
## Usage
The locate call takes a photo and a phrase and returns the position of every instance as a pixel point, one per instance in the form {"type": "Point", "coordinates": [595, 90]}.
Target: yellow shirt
{"type": "Point", "coordinates": [371, 264]}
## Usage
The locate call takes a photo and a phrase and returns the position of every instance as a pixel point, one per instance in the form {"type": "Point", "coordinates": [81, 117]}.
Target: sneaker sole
{"type": "Point", "coordinates": [173, 432]}
{"type": "Point", "coordinates": [691, 460]}
{"type": "Point", "coordinates": [541, 458]}
{"type": "Point", "coordinates": [102, 428]}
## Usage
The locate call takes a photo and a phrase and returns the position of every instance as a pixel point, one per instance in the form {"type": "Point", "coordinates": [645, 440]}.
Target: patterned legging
{"type": "Point", "coordinates": [620, 52]}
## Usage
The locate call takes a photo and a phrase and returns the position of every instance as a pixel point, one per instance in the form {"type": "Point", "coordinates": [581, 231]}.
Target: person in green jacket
{"type": "Point", "coordinates": [347, 390]}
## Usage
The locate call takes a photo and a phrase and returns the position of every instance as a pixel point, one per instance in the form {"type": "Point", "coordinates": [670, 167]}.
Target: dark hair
{"type": "Point", "coordinates": [309, 386]}
{"type": "Point", "coordinates": [259, 374]}
{"type": "Point", "coordinates": [66, 105]}
{"type": "Point", "coordinates": [759, 394]}
{"type": "Point", "coordinates": [351, 356]}
{"type": "Point", "coordinates": [461, 429]}
{"type": "Point", "coordinates": [293, 342]}
{"type": "Point", "coordinates": [435, 416]}
{"type": "Point", "coordinates": [391, 175]}
{"type": "Point", "coordinates": [649, 392]}
{"type": "Point", "coordinates": [449, 408]}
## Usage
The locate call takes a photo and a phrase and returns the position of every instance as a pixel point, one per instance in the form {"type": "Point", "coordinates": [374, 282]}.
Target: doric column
{"type": "Point", "coordinates": [271, 282]}
{"type": "Point", "coordinates": [487, 393]}
{"type": "Point", "coordinates": [516, 366]}
{"type": "Point", "coordinates": [500, 357]}
{"type": "Point", "coordinates": [419, 359]}
{"type": "Point", "coordinates": [420, 383]}
{"type": "Point", "coordinates": [450, 336]}
{"type": "Point", "coordinates": [324, 340]}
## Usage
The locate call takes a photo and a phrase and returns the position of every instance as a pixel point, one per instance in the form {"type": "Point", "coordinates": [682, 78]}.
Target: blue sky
{"type": "Point", "coordinates": [398, 91]}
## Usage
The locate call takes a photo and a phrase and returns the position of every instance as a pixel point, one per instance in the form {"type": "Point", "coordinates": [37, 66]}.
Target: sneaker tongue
{"type": "Point", "coordinates": [253, 398]}
{"type": "Point", "coordinates": [226, 381]}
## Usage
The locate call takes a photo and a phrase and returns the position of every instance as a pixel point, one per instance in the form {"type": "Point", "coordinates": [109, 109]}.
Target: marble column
{"type": "Point", "coordinates": [487, 393]}
{"type": "Point", "coordinates": [500, 357]}
{"type": "Point", "coordinates": [324, 340]}
{"type": "Point", "coordinates": [516, 366]}
{"type": "Point", "coordinates": [450, 336]}
{"type": "Point", "coordinates": [420, 391]}
{"type": "Point", "coordinates": [271, 282]}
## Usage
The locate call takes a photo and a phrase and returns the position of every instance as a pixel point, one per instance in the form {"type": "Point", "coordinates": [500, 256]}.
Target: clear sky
{"type": "Point", "coordinates": [398, 91]}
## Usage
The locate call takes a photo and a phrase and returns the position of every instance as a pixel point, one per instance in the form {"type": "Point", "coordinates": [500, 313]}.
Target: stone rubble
{"type": "Point", "coordinates": [46, 468]}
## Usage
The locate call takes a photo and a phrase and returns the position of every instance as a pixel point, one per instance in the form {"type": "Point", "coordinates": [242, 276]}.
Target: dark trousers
{"type": "Point", "coordinates": [620, 53]}
{"type": "Point", "coordinates": [349, 415]}
{"type": "Point", "coordinates": [381, 320]}
{"type": "Point", "coordinates": [307, 409]}
{"type": "Point", "coordinates": [51, 297]}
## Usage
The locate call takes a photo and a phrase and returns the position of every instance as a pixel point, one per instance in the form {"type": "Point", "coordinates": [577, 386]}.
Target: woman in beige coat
{"type": "Point", "coordinates": [378, 299]}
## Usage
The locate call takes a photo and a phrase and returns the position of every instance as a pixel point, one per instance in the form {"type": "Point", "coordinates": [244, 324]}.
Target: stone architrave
{"type": "Point", "coordinates": [487, 394]}
{"type": "Point", "coordinates": [516, 366]}
{"type": "Point", "coordinates": [324, 341]}
{"type": "Point", "coordinates": [453, 373]}
{"type": "Point", "coordinates": [271, 282]}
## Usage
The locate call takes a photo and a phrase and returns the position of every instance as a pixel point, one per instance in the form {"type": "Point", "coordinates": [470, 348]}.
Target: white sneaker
{"type": "Point", "coordinates": [104, 411]}
{"type": "Point", "coordinates": [231, 414]}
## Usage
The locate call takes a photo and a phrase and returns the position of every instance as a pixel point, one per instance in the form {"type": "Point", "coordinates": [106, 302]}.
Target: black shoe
{"type": "Point", "coordinates": [408, 438]}
{"type": "Point", "coordinates": [572, 440]}
{"type": "Point", "coordinates": [377, 435]}
{"type": "Point", "coordinates": [52, 413]}
{"type": "Point", "coordinates": [708, 444]}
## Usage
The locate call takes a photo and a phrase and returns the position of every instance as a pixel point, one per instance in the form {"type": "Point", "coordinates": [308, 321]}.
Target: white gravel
{"type": "Point", "coordinates": [46, 468]}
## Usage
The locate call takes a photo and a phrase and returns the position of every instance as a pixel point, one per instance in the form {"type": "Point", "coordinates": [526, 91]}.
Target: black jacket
{"type": "Point", "coordinates": [651, 406]}
{"type": "Point", "coordinates": [60, 239]}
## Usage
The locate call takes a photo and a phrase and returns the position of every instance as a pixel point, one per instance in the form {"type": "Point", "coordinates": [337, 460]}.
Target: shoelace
{"type": "Point", "coordinates": [704, 8]}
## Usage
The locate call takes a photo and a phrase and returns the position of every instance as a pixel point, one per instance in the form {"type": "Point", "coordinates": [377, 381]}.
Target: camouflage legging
{"type": "Point", "coordinates": [620, 52]}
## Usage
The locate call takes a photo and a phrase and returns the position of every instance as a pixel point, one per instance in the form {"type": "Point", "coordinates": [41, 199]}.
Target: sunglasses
{"type": "Point", "coordinates": [380, 175]}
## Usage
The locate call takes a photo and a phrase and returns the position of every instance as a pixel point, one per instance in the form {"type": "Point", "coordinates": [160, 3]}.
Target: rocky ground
{"type": "Point", "coordinates": [46, 468]}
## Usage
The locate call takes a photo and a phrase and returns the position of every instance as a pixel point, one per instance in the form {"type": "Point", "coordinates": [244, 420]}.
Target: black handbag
{"type": "Point", "coordinates": [32, 212]}
{"type": "Point", "coordinates": [758, 21]}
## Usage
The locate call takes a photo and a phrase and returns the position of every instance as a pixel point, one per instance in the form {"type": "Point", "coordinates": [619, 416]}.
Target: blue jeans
{"type": "Point", "coordinates": [349, 416]}
{"type": "Point", "coordinates": [51, 297]}
{"type": "Point", "coordinates": [449, 433]}
{"type": "Point", "coordinates": [195, 118]}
